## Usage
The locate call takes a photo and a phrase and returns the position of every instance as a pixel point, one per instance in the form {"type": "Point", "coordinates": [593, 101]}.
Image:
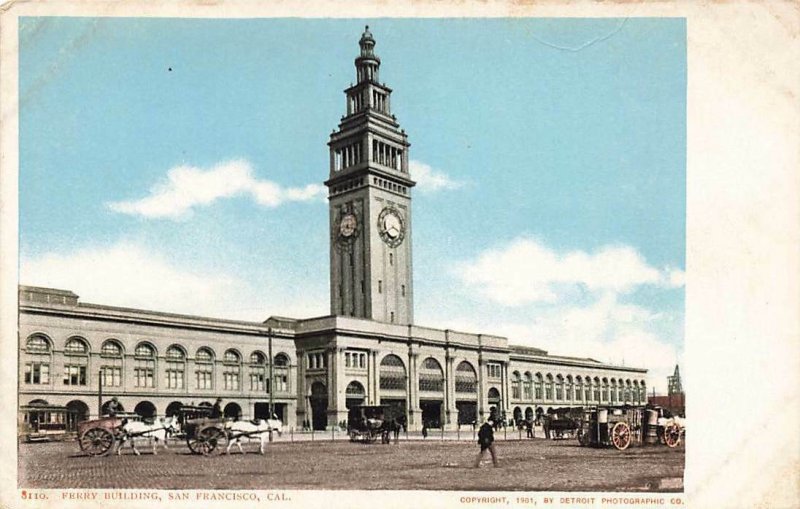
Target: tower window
{"type": "Point", "coordinates": [380, 286]}
{"type": "Point", "coordinates": [403, 290]}
{"type": "Point", "coordinates": [391, 259]}
{"type": "Point", "coordinates": [392, 316]}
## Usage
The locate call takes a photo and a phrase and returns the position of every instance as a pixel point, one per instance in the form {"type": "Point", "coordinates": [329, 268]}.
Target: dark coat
{"type": "Point", "coordinates": [486, 434]}
{"type": "Point", "coordinates": [216, 411]}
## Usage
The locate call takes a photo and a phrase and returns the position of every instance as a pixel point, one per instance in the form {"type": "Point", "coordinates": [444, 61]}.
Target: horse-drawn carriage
{"type": "Point", "coordinates": [563, 422]}
{"type": "Point", "coordinates": [621, 427]}
{"type": "Point", "coordinates": [204, 433]}
{"type": "Point", "coordinates": [97, 436]}
{"type": "Point", "coordinates": [365, 423]}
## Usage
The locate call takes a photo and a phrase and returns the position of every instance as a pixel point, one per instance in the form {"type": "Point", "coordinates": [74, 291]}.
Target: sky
{"type": "Point", "coordinates": [177, 165]}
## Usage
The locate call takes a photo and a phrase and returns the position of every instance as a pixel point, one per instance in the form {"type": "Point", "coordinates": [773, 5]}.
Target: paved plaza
{"type": "Point", "coordinates": [413, 463]}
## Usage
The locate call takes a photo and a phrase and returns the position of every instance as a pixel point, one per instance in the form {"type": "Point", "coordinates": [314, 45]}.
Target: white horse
{"type": "Point", "coordinates": [239, 430]}
{"type": "Point", "coordinates": [158, 431]}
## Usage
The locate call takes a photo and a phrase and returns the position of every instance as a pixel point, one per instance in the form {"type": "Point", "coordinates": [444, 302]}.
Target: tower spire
{"type": "Point", "coordinates": [367, 63]}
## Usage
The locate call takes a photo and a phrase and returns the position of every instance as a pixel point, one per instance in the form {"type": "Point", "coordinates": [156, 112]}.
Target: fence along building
{"type": "Point", "coordinates": [368, 351]}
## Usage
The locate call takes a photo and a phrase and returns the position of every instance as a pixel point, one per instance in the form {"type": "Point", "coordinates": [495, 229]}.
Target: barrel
{"type": "Point", "coordinates": [651, 427]}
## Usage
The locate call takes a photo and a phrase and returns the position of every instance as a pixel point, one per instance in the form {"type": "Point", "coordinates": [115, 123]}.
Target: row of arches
{"type": "Point", "coordinates": [146, 409]}
{"type": "Point", "coordinates": [146, 369]}
{"type": "Point", "coordinates": [42, 344]}
{"type": "Point", "coordinates": [577, 388]}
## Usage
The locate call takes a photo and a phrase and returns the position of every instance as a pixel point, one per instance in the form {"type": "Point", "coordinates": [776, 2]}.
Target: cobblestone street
{"type": "Point", "coordinates": [433, 464]}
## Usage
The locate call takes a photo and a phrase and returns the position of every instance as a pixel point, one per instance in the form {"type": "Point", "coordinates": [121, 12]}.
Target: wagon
{"type": "Point", "coordinates": [97, 436]}
{"type": "Point", "coordinates": [202, 432]}
{"type": "Point", "coordinates": [622, 427]}
{"type": "Point", "coordinates": [365, 423]}
{"type": "Point", "coordinates": [563, 422]}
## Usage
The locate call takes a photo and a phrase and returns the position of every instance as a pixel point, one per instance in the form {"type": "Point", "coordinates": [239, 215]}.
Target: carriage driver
{"type": "Point", "coordinates": [113, 407]}
{"type": "Point", "coordinates": [216, 410]}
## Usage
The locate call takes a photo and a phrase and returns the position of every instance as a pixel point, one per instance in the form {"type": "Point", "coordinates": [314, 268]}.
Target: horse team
{"type": "Point", "coordinates": [159, 431]}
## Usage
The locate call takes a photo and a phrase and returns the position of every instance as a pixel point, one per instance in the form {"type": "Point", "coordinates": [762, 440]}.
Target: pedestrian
{"type": "Point", "coordinates": [113, 407]}
{"type": "Point", "coordinates": [216, 410]}
{"type": "Point", "coordinates": [486, 441]}
{"type": "Point", "coordinates": [396, 429]}
{"type": "Point", "coordinates": [529, 427]}
{"type": "Point", "coordinates": [424, 429]}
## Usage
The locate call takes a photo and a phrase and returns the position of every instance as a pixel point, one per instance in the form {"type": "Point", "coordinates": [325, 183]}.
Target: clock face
{"type": "Point", "coordinates": [348, 225]}
{"type": "Point", "coordinates": [391, 226]}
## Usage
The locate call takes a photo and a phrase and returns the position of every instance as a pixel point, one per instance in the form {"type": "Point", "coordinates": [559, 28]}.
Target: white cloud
{"type": "Point", "coordinates": [526, 271]}
{"type": "Point", "coordinates": [429, 179]}
{"type": "Point", "coordinates": [188, 187]}
{"type": "Point", "coordinates": [128, 274]}
{"type": "Point", "coordinates": [570, 303]}
{"type": "Point", "coordinates": [605, 330]}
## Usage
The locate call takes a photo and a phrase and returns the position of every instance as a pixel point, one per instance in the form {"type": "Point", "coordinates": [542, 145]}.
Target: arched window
{"type": "Point", "coordinates": [466, 378]}
{"type": "Point", "coordinates": [37, 344]}
{"type": "Point", "coordinates": [204, 369]}
{"type": "Point", "coordinates": [231, 370]}
{"type": "Point", "coordinates": [527, 386]}
{"type": "Point", "coordinates": [37, 362]}
{"type": "Point", "coordinates": [281, 372]}
{"type": "Point", "coordinates": [258, 372]}
{"type": "Point", "coordinates": [596, 387]}
{"type": "Point", "coordinates": [548, 387]}
{"type": "Point", "coordinates": [587, 389]}
{"type": "Point", "coordinates": [145, 365]}
{"type": "Point", "coordinates": [635, 392]}
{"type": "Point", "coordinates": [516, 381]}
{"type": "Point", "coordinates": [538, 385]}
{"type": "Point", "coordinates": [642, 392]}
{"type": "Point", "coordinates": [111, 367]}
{"type": "Point", "coordinates": [627, 391]}
{"type": "Point", "coordinates": [76, 363]}
{"type": "Point", "coordinates": [559, 388]}
{"type": "Point", "coordinates": [568, 393]}
{"type": "Point", "coordinates": [613, 390]}
{"type": "Point", "coordinates": [579, 388]}
{"type": "Point", "coordinates": [431, 376]}
{"type": "Point", "coordinates": [605, 390]}
{"type": "Point", "coordinates": [175, 375]}
{"type": "Point", "coordinates": [393, 373]}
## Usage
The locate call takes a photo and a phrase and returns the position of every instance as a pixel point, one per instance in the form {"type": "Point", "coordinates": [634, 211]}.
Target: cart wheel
{"type": "Point", "coordinates": [621, 436]}
{"type": "Point", "coordinates": [672, 435]}
{"type": "Point", "coordinates": [96, 441]}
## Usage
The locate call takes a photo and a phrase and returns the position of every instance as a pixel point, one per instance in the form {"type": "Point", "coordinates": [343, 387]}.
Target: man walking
{"type": "Point", "coordinates": [486, 441]}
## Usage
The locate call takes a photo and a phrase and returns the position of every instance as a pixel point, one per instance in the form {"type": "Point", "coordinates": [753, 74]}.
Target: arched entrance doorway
{"type": "Point", "coordinates": [355, 394]}
{"type": "Point", "coordinates": [319, 405]}
{"type": "Point", "coordinates": [232, 410]}
{"type": "Point", "coordinates": [495, 411]}
{"type": "Point", "coordinates": [80, 408]}
{"type": "Point", "coordinates": [173, 408]}
{"type": "Point", "coordinates": [431, 392]}
{"type": "Point", "coordinates": [393, 381]}
{"type": "Point", "coordinates": [466, 379]}
{"type": "Point", "coordinates": [517, 416]}
{"type": "Point", "coordinates": [146, 409]}
{"type": "Point", "coordinates": [104, 408]}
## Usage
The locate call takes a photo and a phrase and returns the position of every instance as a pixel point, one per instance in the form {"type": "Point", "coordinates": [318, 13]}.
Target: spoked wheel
{"type": "Point", "coordinates": [96, 441]}
{"type": "Point", "coordinates": [205, 441]}
{"type": "Point", "coordinates": [672, 435]}
{"type": "Point", "coordinates": [621, 435]}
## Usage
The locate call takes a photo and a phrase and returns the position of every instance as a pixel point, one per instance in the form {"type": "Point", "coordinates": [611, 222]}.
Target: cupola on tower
{"type": "Point", "coordinates": [369, 193]}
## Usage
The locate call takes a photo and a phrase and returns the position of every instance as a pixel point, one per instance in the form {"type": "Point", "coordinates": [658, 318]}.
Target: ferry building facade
{"type": "Point", "coordinates": [367, 351]}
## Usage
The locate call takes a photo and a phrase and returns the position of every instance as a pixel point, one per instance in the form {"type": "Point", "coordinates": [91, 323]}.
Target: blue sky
{"type": "Point", "coordinates": [550, 155]}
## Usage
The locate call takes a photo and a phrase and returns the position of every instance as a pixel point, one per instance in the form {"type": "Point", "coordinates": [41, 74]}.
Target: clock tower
{"type": "Point", "coordinates": [369, 193]}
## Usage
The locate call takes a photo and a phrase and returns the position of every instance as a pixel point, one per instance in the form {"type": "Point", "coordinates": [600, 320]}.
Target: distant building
{"type": "Point", "coordinates": [367, 351]}
{"type": "Point", "coordinates": [675, 400]}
